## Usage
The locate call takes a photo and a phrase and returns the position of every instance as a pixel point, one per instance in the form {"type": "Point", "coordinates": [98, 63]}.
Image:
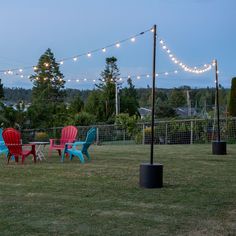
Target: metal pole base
{"type": "Point", "coordinates": [151, 176]}
{"type": "Point", "coordinates": [219, 148]}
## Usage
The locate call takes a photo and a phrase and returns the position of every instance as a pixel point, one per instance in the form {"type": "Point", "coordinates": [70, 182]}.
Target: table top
{"type": "Point", "coordinates": [37, 142]}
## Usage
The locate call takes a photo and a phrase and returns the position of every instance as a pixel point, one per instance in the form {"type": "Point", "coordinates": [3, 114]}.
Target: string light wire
{"type": "Point", "coordinates": [88, 53]}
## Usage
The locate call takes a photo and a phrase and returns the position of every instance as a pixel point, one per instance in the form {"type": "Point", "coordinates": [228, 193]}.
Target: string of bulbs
{"type": "Point", "coordinates": [175, 60]}
{"type": "Point", "coordinates": [119, 80]}
{"type": "Point", "coordinates": [117, 44]}
{"type": "Point", "coordinates": [75, 58]}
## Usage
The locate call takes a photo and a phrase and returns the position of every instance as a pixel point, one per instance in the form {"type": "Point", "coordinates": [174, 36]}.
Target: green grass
{"type": "Point", "coordinates": [103, 197]}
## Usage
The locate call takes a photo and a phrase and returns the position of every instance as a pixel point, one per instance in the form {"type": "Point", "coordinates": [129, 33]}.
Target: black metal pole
{"type": "Point", "coordinates": [151, 175]}
{"type": "Point", "coordinates": [153, 90]}
{"type": "Point", "coordinates": [217, 101]}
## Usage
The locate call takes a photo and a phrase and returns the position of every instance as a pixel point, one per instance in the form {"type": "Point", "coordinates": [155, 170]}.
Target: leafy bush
{"type": "Point", "coordinates": [128, 123]}
{"type": "Point", "coordinates": [83, 119]}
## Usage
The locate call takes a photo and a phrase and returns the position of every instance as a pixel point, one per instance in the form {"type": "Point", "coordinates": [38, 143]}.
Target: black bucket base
{"type": "Point", "coordinates": [219, 148]}
{"type": "Point", "coordinates": [151, 176]}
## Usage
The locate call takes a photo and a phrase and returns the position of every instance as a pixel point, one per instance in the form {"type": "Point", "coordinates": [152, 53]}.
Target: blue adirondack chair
{"type": "Point", "coordinates": [80, 148]}
{"type": "Point", "coordinates": [3, 147]}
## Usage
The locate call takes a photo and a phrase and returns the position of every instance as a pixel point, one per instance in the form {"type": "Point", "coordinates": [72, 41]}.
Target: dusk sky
{"type": "Point", "coordinates": [196, 31]}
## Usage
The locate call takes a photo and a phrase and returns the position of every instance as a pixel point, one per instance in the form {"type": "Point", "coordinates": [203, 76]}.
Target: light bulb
{"type": "Point", "coordinates": [89, 54]}
{"type": "Point", "coordinates": [75, 59]}
{"type": "Point", "coordinates": [117, 45]}
{"type": "Point", "coordinates": [133, 39]}
{"type": "Point", "coordinates": [104, 50]}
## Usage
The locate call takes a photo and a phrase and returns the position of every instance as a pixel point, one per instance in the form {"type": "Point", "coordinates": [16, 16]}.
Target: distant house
{"type": "Point", "coordinates": [14, 105]}
{"type": "Point", "coordinates": [185, 112]}
{"type": "Point", "coordinates": [144, 112]}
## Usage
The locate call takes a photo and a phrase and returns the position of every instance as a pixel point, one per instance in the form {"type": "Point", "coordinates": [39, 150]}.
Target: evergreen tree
{"type": "Point", "coordinates": [232, 101]}
{"type": "Point", "coordinates": [95, 105]}
{"type": "Point", "coordinates": [163, 109]}
{"type": "Point", "coordinates": [107, 85]}
{"type": "Point", "coordinates": [177, 98]}
{"type": "Point", "coordinates": [129, 99]}
{"type": "Point", "coordinates": [48, 94]}
{"type": "Point", "coordinates": [76, 105]}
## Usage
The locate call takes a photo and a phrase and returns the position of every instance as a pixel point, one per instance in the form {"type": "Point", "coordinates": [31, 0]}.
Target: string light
{"type": "Point", "coordinates": [196, 70]}
{"type": "Point", "coordinates": [121, 79]}
{"type": "Point", "coordinates": [175, 60]}
{"type": "Point", "coordinates": [88, 54]}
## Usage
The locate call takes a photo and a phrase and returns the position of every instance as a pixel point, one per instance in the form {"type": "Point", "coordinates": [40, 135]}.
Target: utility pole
{"type": "Point", "coordinates": [117, 102]}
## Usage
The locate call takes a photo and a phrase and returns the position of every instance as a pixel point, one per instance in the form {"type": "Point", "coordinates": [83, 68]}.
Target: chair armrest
{"type": "Point", "coordinates": [28, 144]}
{"type": "Point", "coordinates": [78, 143]}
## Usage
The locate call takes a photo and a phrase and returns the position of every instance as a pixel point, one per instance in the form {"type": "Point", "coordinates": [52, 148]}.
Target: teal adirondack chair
{"type": "Point", "coordinates": [80, 148]}
{"type": "Point", "coordinates": [3, 147]}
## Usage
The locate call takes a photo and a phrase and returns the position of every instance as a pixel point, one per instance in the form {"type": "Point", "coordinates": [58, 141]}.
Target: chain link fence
{"type": "Point", "coordinates": [165, 132]}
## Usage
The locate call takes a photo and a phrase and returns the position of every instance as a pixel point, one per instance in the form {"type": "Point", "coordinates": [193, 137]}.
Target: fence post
{"type": "Point", "coordinates": [97, 136]}
{"type": "Point", "coordinates": [166, 134]}
{"type": "Point", "coordinates": [191, 137]}
{"type": "Point", "coordinates": [143, 134]}
{"type": "Point", "coordinates": [124, 135]}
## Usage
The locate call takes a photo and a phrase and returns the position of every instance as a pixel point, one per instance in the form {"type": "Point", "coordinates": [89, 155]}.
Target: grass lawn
{"type": "Point", "coordinates": [103, 197]}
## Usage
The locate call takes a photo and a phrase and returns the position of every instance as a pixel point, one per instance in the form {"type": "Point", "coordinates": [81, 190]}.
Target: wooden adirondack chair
{"type": "Point", "coordinates": [68, 135]}
{"type": "Point", "coordinates": [78, 152]}
{"type": "Point", "coordinates": [12, 140]}
{"type": "Point", "coordinates": [3, 147]}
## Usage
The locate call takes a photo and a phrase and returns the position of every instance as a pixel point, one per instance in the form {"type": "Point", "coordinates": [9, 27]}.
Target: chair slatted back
{"type": "Point", "coordinates": [68, 134]}
{"type": "Point", "coordinates": [90, 138]}
{"type": "Point", "coordinates": [12, 140]}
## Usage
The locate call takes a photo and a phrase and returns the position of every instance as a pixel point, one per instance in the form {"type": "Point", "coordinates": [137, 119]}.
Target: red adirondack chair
{"type": "Point", "coordinates": [12, 139]}
{"type": "Point", "coordinates": [68, 135]}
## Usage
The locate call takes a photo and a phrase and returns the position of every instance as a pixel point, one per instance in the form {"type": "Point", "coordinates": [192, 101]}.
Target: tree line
{"type": "Point", "coordinates": [51, 105]}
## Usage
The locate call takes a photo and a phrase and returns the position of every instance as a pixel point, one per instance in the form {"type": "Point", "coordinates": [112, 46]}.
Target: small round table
{"type": "Point", "coordinates": [39, 149]}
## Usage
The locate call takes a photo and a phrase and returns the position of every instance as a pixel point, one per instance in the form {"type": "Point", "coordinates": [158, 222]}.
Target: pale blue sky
{"type": "Point", "coordinates": [197, 31]}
